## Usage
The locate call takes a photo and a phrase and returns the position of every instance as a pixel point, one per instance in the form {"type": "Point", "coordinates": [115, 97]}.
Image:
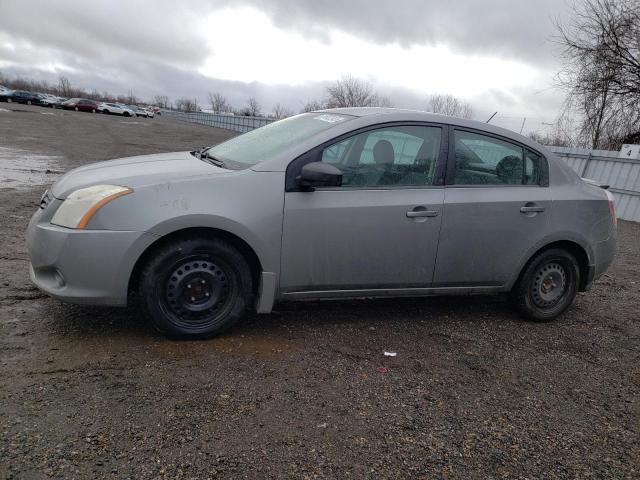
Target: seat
{"type": "Point", "coordinates": [509, 170]}
{"type": "Point", "coordinates": [377, 174]}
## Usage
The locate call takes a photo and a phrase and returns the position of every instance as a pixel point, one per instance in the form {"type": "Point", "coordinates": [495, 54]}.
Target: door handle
{"type": "Point", "coordinates": [531, 207]}
{"type": "Point", "coordinates": [421, 213]}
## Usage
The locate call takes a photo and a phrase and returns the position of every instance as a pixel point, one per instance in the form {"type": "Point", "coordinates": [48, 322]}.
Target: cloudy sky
{"type": "Point", "coordinates": [496, 54]}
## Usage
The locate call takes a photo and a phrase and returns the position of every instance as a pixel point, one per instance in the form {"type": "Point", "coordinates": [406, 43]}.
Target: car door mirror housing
{"type": "Point", "coordinates": [319, 174]}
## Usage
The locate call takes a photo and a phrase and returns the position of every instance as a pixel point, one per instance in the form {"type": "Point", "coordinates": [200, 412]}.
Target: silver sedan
{"type": "Point", "coordinates": [328, 204]}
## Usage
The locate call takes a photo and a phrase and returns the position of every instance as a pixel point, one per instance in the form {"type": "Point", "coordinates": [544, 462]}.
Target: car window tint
{"type": "Point", "coordinates": [483, 160]}
{"type": "Point", "coordinates": [532, 163]}
{"type": "Point", "coordinates": [335, 154]}
{"type": "Point", "coordinates": [392, 156]}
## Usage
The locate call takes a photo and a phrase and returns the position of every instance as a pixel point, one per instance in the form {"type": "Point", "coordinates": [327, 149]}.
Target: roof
{"type": "Point", "coordinates": [403, 115]}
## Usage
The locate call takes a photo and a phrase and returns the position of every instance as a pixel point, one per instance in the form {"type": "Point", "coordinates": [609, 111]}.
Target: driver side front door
{"type": "Point", "coordinates": [379, 230]}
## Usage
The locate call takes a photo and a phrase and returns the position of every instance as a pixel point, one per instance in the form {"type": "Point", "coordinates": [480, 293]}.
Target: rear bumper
{"type": "Point", "coordinates": [83, 266]}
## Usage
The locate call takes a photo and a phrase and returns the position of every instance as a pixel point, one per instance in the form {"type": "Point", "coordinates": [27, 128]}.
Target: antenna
{"type": "Point", "coordinates": [494, 114]}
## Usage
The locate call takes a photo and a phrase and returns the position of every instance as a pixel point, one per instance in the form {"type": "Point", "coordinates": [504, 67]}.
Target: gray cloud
{"type": "Point", "coordinates": [100, 29]}
{"type": "Point", "coordinates": [507, 28]}
{"type": "Point", "coordinates": [155, 47]}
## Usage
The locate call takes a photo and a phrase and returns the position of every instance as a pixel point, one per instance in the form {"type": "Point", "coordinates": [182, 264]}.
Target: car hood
{"type": "Point", "coordinates": [135, 172]}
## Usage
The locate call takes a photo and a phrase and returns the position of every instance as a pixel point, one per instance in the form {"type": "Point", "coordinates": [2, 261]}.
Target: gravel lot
{"type": "Point", "coordinates": [474, 392]}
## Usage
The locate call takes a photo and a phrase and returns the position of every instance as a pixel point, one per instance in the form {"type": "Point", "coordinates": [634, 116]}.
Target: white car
{"type": "Point", "coordinates": [116, 109]}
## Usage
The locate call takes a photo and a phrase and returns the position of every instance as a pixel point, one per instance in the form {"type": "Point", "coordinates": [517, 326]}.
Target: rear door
{"type": "Point", "coordinates": [497, 206]}
{"type": "Point", "coordinates": [380, 229]}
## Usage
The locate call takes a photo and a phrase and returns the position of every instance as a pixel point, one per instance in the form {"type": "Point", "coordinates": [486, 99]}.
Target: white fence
{"type": "Point", "coordinates": [603, 166]}
{"type": "Point", "coordinates": [606, 167]}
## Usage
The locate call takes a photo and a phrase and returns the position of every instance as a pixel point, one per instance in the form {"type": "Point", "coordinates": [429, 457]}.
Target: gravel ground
{"type": "Point", "coordinates": [474, 392]}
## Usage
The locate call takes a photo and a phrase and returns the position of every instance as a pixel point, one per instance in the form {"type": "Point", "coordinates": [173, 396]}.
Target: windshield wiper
{"type": "Point", "coordinates": [203, 154]}
{"type": "Point", "coordinates": [207, 157]}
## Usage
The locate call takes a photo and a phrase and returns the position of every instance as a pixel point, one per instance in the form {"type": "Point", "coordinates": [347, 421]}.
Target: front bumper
{"type": "Point", "coordinates": [83, 266]}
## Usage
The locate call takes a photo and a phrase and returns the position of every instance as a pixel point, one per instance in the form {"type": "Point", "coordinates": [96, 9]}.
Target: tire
{"type": "Point", "coordinates": [105, 111]}
{"type": "Point", "coordinates": [76, 109]}
{"type": "Point", "coordinates": [28, 102]}
{"type": "Point", "coordinates": [126, 114]}
{"type": "Point", "coordinates": [9, 100]}
{"type": "Point", "coordinates": [547, 286]}
{"type": "Point", "coordinates": [93, 110]}
{"type": "Point", "coordinates": [195, 288]}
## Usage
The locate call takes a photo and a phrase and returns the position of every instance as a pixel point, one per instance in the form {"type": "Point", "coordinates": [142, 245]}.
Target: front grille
{"type": "Point", "coordinates": [44, 200]}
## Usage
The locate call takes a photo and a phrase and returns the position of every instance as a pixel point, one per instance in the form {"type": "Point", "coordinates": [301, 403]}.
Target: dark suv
{"type": "Point", "coordinates": [20, 96]}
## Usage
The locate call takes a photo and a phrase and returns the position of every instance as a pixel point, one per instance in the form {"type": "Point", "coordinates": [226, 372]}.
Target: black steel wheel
{"type": "Point", "coordinates": [547, 286]}
{"type": "Point", "coordinates": [195, 288]}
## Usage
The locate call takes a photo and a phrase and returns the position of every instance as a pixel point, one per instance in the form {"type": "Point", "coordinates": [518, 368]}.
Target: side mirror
{"type": "Point", "coordinates": [319, 174]}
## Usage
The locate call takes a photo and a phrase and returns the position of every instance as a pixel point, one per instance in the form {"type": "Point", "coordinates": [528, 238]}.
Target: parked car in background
{"type": "Point", "coordinates": [116, 109]}
{"type": "Point", "coordinates": [21, 96]}
{"type": "Point", "coordinates": [138, 111]}
{"type": "Point", "coordinates": [81, 105]}
{"type": "Point", "coordinates": [351, 202]}
{"type": "Point", "coordinates": [4, 89]}
{"type": "Point", "coordinates": [149, 112]}
{"type": "Point", "coordinates": [49, 100]}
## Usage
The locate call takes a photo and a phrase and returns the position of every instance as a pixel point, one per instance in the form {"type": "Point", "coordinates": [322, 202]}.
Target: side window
{"type": "Point", "coordinates": [336, 153]}
{"type": "Point", "coordinates": [532, 166]}
{"type": "Point", "coordinates": [391, 156]}
{"type": "Point", "coordinates": [483, 160]}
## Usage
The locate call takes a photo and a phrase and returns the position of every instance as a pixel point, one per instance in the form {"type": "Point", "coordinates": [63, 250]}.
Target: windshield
{"type": "Point", "coordinates": [263, 143]}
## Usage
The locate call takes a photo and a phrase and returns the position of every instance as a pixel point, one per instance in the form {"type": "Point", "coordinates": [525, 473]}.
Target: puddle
{"type": "Point", "coordinates": [23, 169]}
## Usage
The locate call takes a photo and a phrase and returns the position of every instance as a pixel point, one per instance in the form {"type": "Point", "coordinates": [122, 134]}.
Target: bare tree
{"type": "Point", "coordinates": [354, 92]}
{"type": "Point", "coordinates": [311, 106]}
{"type": "Point", "coordinates": [64, 87]}
{"type": "Point", "coordinates": [280, 111]}
{"type": "Point", "coordinates": [218, 102]}
{"type": "Point", "coordinates": [601, 74]}
{"type": "Point", "coordinates": [161, 101]}
{"type": "Point", "coordinates": [449, 105]}
{"type": "Point", "coordinates": [253, 107]}
{"type": "Point", "coordinates": [186, 105]}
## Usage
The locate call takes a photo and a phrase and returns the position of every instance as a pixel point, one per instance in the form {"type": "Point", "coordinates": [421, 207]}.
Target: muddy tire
{"type": "Point", "coordinates": [195, 288]}
{"type": "Point", "coordinates": [547, 286]}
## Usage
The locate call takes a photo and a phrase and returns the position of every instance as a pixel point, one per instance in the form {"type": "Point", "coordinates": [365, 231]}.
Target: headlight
{"type": "Point", "coordinates": [80, 207]}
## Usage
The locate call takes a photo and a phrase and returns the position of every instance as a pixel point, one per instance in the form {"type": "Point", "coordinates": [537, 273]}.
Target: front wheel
{"type": "Point", "coordinates": [195, 287]}
{"type": "Point", "coordinates": [547, 286]}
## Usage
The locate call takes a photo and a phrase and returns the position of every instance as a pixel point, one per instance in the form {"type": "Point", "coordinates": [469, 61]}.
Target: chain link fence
{"type": "Point", "coordinates": [237, 123]}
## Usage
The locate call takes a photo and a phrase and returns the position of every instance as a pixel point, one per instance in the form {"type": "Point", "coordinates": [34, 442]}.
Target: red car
{"type": "Point", "coordinates": [80, 105]}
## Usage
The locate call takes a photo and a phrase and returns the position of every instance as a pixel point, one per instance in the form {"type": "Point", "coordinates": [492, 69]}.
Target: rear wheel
{"type": "Point", "coordinates": [547, 286]}
{"type": "Point", "coordinates": [126, 114]}
{"type": "Point", "coordinates": [195, 288]}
